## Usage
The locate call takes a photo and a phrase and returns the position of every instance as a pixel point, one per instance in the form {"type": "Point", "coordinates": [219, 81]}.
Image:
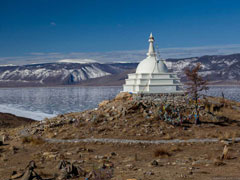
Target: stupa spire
{"type": "Point", "coordinates": [151, 50]}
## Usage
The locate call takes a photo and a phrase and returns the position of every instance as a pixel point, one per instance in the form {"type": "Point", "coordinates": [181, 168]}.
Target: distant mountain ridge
{"type": "Point", "coordinates": [214, 68]}
{"type": "Point", "coordinates": [51, 74]}
{"type": "Point", "coordinates": [217, 69]}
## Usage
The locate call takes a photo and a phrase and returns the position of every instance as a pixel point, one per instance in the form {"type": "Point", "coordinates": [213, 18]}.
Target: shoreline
{"type": "Point", "coordinates": [84, 86]}
{"type": "Point", "coordinates": [34, 115]}
{"type": "Point", "coordinates": [40, 116]}
{"type": "Point", "coordinates": [8, 120]}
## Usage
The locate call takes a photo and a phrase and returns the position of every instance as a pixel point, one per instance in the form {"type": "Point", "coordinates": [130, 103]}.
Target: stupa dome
{"type": "Point", "coordinates": [148, 65]}
{"type": "Point", "coordinates": [151, 65]}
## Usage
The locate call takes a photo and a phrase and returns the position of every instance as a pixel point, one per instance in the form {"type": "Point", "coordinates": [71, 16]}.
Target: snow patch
{"type": "Point", "coordinates": [80, 61]}
{"type": "Point", "coordinates": [229, 63]}
{"type": "Point", "coordinates": [5, 65]}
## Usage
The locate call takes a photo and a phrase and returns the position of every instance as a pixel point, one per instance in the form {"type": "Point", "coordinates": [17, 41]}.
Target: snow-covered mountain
{"type": "Point", "coordinates": [215, 68]}
{"type": "Point", "coordinates": [57, 73]}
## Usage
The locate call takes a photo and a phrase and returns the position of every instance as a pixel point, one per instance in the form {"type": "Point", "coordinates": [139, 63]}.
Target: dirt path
{"type": "Point", "coordinates": [128, 141]}
{"type": "Point", "coordinates": [24, 132]}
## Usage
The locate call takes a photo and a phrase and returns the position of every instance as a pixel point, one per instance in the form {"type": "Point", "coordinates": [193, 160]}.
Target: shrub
{"type": "Point", "coordinates": [161, 152]}
{"type": "Point", "coordinates": [32, 140]}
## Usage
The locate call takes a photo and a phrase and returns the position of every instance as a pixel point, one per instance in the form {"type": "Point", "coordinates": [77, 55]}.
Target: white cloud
{"type": "Point", "coordinates": [53, 24]}
{"type": "Point", "coordinates": [37, 53]}
{"type": "Point", "coordinates": [80, 61]}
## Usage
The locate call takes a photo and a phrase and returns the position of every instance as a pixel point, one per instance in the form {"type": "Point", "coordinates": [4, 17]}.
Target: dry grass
{"type": "Point", "coordinates": [227, 135]}
{"type": "Point", "coordinates": [32, 140]}
{"type": "Point", "coordinates": [218, 162]}
{"type": "Point", "coordinates": [161, 152]}
{"type": "Point", "coordinates": [168, 136]}
{"type": "Point", "coordinates": [234, 135]}
{"type": "Point", "coordinates": [175, 148]}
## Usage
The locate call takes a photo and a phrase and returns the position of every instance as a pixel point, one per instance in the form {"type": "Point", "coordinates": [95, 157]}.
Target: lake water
{"type": "Point", "coordinates": [40, 102]}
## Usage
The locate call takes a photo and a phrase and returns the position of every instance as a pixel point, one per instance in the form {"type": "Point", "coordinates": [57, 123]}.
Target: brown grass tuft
{"type": "Point", "coordinates": [227, 135]}
{"type": "Point", "coordinates": [218, 162]}
{"type": "Point", "coordinates": [175, 148]}
{"type": "Point", "coordinates": [32, 140]}
{"type": "Point", "coordinates": [161, 152]}
{"type": "Point", "coordinates": [168, 136]}
{"type": "Point", "coordinates": [234, 135]}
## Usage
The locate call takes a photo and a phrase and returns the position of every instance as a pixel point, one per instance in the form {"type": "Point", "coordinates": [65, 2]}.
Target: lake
{"type": "Point", "coordinates": [40, 102]}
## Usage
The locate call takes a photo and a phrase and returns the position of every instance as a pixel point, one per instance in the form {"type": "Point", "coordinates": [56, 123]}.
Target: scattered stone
{"type": "Point", "coordinates": [130, 166]}
{"type": "Point", "coordinates": [13, 149]}
{"type": "Point", "coordinates": [183, 176]}
{"type": "Point", "coordinates": [100, 157]}
{"type": "Point", "coordinates": [70, 170]}
{"type": "Point", "coordinates": [69, 153]}
{"type": "Point", "coordinates": [149, 173]}
{"type": "Point", "coordinates": [154, 163]}
{"type": "Point", "coordinates": [50, 155]}
{"type": "Point", "coordinates": [2, 139]}
{"type": "Point", "coordinates": [16, 175]}
{"type": "Point", "coordinates": [30, 174]}
{"type": "Point", "coordinates": [113, 154]}
{"type": "Point", "coordinates": [225, 152]}
{"type": "Point", "coordinates": [105, 174]}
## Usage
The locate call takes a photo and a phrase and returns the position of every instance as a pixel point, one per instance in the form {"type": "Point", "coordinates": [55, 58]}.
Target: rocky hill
{"type": "Point", "coordinates": [11, 121]}
{"type": "Point", "coordinates": [129, 116]}
{"type": "Point", "coordinates": [217, 69]}
{"type": "Point", "coordinates": [128, 137]}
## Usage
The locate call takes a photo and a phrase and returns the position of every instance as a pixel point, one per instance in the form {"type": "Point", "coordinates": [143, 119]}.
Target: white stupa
{"type": "Point", "coordinates": [152, 76]}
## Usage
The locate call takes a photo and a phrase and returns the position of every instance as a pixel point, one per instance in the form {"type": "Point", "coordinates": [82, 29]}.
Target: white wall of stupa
{"type": "Point", "coordinates": [152, 76]}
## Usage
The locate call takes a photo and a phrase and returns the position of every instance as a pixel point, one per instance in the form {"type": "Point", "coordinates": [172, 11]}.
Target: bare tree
{"type": "Point", "coordinates": [195, 84]}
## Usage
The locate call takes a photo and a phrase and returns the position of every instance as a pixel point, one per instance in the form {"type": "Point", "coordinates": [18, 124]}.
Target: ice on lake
{"type": "Point", "coordinates": [40, 102]}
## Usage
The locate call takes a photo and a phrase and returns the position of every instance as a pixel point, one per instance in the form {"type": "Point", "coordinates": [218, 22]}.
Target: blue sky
{"type": "Point", "coordinates": [34, 31]}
